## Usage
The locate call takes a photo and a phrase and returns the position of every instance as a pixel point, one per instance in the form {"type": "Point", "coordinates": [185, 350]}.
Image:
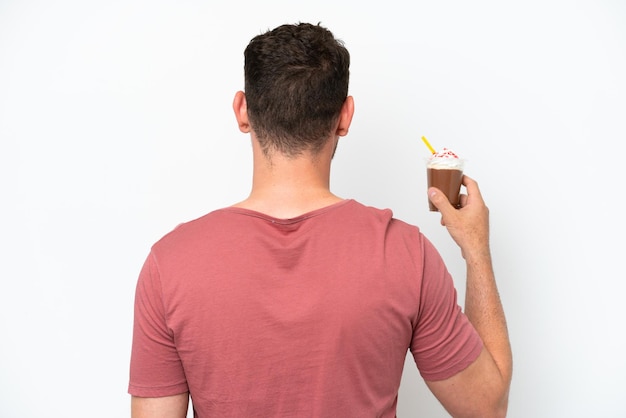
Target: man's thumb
{"type": "Point", "coordinates": [438, 199]}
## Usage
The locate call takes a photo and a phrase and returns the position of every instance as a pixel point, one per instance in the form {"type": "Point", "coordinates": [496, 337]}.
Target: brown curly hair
{"type": "Point", "coordinates": [296, 81]}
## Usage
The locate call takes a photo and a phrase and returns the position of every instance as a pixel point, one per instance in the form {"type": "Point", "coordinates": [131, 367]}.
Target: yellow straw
{"type": "Point", "coordinates": [428, 145]}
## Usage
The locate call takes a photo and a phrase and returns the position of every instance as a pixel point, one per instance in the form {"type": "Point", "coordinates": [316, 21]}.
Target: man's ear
{"type": "Point", "coordinates": [345, 117]}
{"type": "Point", "coordinates": [241, 112]}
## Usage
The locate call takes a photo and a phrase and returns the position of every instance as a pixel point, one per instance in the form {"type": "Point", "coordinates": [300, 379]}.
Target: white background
{"type": "Point", "coordinates": [116, 125]}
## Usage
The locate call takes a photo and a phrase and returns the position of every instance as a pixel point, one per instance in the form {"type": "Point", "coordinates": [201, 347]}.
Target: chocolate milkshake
{"type": "Point", "coordinates": [444, 170]}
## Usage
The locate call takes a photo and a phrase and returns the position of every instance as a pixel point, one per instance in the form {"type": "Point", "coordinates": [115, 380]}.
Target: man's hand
{"type": "Point", "coordinates": [468, 226]}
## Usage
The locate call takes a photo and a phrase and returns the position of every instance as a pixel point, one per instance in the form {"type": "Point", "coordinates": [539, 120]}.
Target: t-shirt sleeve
{"type": "Point", "coordinates": [155, 366]}
{"type": "Point", "coordinates": [444, 341]}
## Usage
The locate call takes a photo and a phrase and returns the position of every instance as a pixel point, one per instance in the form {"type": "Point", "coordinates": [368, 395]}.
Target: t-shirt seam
{"type": "Point", "coordinates": [134, 385]}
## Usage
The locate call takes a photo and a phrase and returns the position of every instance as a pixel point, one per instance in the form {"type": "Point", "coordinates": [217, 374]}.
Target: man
{"type": "Point", "coordinates": [298, 303]}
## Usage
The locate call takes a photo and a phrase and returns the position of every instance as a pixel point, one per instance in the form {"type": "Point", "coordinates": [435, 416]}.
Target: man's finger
{"type": "Point", "coordinates": [440, 200]}
{"type": "Point", "coordinates": [472, 188]}
{"type": "Point", "coordinates": [463, 200]}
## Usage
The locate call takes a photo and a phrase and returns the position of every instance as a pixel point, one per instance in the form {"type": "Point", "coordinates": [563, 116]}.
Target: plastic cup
{"type": "Point", "coordinates": [445, 174]}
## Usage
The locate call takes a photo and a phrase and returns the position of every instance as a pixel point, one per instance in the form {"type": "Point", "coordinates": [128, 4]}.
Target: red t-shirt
{"type": "Point", "coordinates": [307, 317]}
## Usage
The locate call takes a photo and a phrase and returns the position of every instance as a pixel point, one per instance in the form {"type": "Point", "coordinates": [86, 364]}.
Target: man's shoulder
{"type": "Point", "coordinates": [382, 214]}
{"type": "Point", "coordinates": [363, 209]}
{"type": "Point", "coordinates": [377, 218]}
{"type": "Point", "coordinates": [193, 230]}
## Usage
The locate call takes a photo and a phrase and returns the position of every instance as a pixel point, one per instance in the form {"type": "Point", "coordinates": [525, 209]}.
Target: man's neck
{"type": "Point", "coordinates": [286, 187]}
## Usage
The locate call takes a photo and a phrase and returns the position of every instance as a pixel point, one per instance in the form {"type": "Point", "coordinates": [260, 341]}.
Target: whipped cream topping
{"type": "Point", "coordinates": [445, 159]}
{"type": "Point", "coordinates": [445, 153]}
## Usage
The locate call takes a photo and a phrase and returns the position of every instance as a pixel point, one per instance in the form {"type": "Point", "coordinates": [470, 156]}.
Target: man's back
{"type": "Point", "coordinates": [312, 316]}
{"type": "Point", "coordinates": [256, 316]}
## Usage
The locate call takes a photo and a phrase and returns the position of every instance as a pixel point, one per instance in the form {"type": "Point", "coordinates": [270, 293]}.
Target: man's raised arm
{"type": "Point", "coordinates": [481, 390]}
